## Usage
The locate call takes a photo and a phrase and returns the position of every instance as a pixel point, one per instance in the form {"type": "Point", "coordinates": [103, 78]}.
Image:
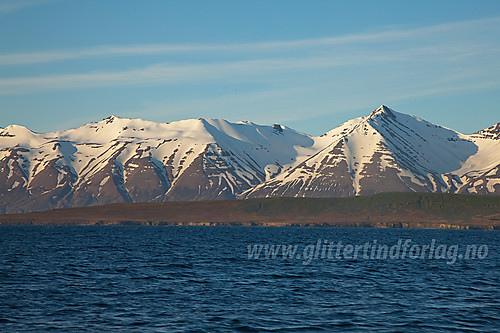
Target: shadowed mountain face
{"type": "Point", "coordinates": [132, 160]}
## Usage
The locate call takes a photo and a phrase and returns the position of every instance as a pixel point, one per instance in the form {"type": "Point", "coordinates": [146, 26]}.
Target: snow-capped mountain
{"type": "Point", "coordinates": [133, 160]}
{"type": "Point", "coordinates": [393, 152]}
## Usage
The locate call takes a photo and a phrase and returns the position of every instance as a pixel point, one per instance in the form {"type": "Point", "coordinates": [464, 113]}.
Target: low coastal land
{"type": "Point", "coordinates": [387, 210]}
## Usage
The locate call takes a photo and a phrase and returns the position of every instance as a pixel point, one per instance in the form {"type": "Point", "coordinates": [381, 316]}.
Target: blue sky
{"type": "Point", "coordinates": [307, 64]}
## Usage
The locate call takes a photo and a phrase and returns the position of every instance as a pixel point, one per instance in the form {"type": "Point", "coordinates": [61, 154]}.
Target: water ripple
{"type": "Point", "coordinates": [189, 279]}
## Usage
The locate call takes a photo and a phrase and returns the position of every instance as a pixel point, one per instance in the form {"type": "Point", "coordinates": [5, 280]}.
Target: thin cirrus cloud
{"type": "Point", "coordinates": [156, 49]}
{"type": "Point", "coordinates": [234, 70]}
{"type": "Point", "coordinates": [159, 73]}
{"type": "Point", "coordinates": [227, 71]}
{"type": "Point", "coordinates": [10, 6]}
{"type": "Point", "coordinates": [281, 102]}
{"type": "Point", "coordinates": [446, 48]}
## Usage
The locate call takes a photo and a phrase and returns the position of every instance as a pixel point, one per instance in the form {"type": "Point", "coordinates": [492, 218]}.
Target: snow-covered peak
{"type": "Point", "coordinates": [383, 111]}
{"type": "Point", "coordinates": [126, 129]}
{"type": "Point", "coordinates": [16, 135]}
{"type": "Point", "coordinates": [492, 132]}
{"type": "Point", "coordinates": [15, 130]}
{"type": "Point", "coordinates": [123, 159]}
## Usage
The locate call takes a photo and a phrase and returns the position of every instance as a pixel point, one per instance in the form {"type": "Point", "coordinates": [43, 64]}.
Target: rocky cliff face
{"type": "Point", "coordinates": [132, 160]}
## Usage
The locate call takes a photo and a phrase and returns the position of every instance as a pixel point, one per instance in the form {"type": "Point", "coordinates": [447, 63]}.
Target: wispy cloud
{"type": "Point", "coordinates": [288, 80]}
{"type": "Point", "coordinates": [235, 70]}
{"type": "Point", "coordinates": [10, 6]}
{"type": "Point", "coordinates": [158, 49]}
{"type": "Point", "coordinates": [322, 98]}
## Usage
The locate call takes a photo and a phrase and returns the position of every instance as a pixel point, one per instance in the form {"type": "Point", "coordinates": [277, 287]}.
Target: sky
{"type": "Point", "coordinates": [309, 65]}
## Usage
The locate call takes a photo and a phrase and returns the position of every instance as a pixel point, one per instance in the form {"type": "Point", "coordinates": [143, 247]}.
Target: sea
{"type": "Point", "coordinates": [247, 279]}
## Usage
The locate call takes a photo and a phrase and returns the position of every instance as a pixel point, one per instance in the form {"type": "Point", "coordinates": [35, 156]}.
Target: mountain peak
{"type": "Point", "coordinates": [16, 129]}
{"type": "Point", "coordinates": [112, 118]}
{"type": "Point", "coordinates": [492, 132]}
{"type": "Point", "coordinates": [382, 111]}
{"type": "Point", "coordinates": [123, 160]}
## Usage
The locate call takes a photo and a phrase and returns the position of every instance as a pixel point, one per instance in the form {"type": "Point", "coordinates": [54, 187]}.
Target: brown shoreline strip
{"type": "Point", "coordinates": [386, 210]}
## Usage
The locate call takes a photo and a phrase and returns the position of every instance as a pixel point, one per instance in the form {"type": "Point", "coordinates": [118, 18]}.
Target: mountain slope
{"type": "Point", "coordinates": [133, 160]}
{"type": "Point", "coordinates": [392, 152]}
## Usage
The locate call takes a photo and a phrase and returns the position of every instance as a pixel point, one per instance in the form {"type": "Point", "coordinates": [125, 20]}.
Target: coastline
{"type": "Point", "coordinates": [387, 210]}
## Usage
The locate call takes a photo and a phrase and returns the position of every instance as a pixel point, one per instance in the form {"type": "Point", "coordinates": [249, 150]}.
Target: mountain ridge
{"type": "Point", "coordinates": [134, 160]}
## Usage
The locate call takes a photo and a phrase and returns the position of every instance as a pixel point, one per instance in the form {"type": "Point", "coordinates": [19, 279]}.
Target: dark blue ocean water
{"type": "Point", "coordinates": [200, 279]}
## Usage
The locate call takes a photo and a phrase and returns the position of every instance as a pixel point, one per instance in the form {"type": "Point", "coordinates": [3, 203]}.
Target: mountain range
{"type": "Point", "coordinates": [134, 160]}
